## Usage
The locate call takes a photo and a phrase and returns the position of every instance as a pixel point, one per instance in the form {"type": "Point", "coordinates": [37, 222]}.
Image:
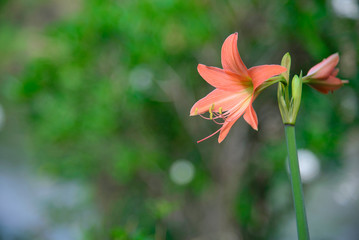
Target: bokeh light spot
{"type": "Point", "coordinates": [141, 78]}
{"type": "Point", "coordinates": [182, 172]}
{"type": "Point", "coordinates": [309, 165]}
{"type": "Point", "coordinates": [346, 8]}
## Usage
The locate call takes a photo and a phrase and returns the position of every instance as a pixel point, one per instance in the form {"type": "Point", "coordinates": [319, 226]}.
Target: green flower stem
{"type": "Point", "coordinates": [302, 226]}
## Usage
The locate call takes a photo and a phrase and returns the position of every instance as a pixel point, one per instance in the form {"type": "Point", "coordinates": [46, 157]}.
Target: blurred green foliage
{"type": "Point", "coordinates": [92, 79]}
{"type": "Point", "coordinates": [120, 234]}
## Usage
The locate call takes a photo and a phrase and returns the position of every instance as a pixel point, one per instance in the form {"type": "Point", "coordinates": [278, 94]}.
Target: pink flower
{"type": "Point", "coordinates": [322, 76]}
{"type": "Point", "coordinates": [236, 88]}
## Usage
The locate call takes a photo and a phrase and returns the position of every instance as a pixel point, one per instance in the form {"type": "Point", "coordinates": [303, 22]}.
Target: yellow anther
{"type": "Point", "coordinates": [220, 110]}
{"type": "Point", "coordinates": [210, 111]}
{"type": "Point", "coordinates": [196, 111]}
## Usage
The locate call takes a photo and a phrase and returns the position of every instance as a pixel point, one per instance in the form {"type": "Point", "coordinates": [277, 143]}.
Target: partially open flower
{"type": "Point", "coordinates": [236, 88]}
{"type": "Point", "coordinates": [322, 76]}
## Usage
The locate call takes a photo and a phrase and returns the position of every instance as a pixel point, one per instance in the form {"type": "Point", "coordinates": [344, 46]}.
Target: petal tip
{"type": "Point", "coordinates": [334, 57]}
{"type": "Point", "coordinates": [284, 69]}
{"type": "Point", "coordinates": [254, 126]}
{"type": "Point", "coordinates": [201, 68]}
{"type": "Point", "coordinates": [193, 111]}
{"type": "Point", "coordinates": [235, 34]}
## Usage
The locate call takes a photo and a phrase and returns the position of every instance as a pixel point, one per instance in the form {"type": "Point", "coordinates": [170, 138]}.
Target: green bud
{"type": "Point", "coordinates": [296, 88]}
{"type": "Point", "coordinates": [296, 97]}
{"type": "Point", "coordinates": [286, 62]}
{"type": "Point", "coordinates": [283, 108]}
{"type": "Point", "coordinates": [289, 107]}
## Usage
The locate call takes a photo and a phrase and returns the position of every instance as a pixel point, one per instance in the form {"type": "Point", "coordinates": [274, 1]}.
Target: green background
{"type": "Point", "coordinates": [99, 92]}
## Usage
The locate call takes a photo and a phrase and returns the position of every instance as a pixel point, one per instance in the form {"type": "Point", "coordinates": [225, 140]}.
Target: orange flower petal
{"type": "Point", "coordinates": [335, 72]}
{"type": "Point", "coordinates": [231, 60]}
{"type": "Point", "coordinates": [232, 118]}
{"type": "Point", "coordinates": [260, 74]}
{"type": "Point", "coordinates": [218, 99]}
{"type": "Point", "coordinates": [251, 117]}
{"type": "Point", "coordinates": [225, 129]}
{"type": "Point", "coordinates": [325, 67]}
{"type": "Point", "coordinates": [222, 79]}
{"type": "Point", "coordinates": [327, 85]}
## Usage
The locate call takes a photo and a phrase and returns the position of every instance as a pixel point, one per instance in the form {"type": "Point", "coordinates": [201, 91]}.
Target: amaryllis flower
{"type": "Point", "coordinates": [322, 76]}
{"type": "Point", "coordinates": [236, 88]}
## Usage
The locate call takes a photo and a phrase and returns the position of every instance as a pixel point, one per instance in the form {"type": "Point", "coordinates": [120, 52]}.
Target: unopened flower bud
{"type": "Point", "coordinates": [283, 108]}
{"type": "Point", "coordinates": [323, 76]}
{"type": "Point", "coordinates": [296, 97]}
{"type": "Point", "coordinates": [286, 61]}
{"type": "Point", "coordinates": [296, 88]}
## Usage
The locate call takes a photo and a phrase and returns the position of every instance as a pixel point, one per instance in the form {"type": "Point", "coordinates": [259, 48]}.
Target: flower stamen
{"type": "Point", "coordinates": [209, 118]}
{"type": "Point", "coordinates": [219, 123]}
{"type": "Point", "coordinates": [210, 111]}
{"type": "Point", "coordinates": [209, 136]}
